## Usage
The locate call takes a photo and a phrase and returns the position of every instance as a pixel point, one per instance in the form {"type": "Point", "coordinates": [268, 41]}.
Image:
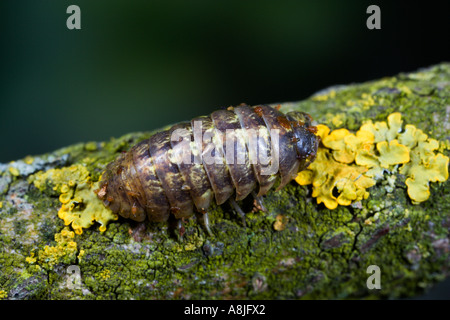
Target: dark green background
{"type": "Point", "coordinates": [139, 65]}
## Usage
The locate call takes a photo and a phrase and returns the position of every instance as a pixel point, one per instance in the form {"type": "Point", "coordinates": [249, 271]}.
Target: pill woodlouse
{"type": "Point", "coordinates": [147, 182]}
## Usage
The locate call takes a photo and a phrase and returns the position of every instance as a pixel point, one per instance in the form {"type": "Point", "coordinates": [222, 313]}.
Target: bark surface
{"type": "Point", "coordinates": [298, 249]}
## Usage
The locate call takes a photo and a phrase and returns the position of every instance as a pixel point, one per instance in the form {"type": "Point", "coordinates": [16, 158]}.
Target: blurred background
{"type": "Point", "coordinates": [140, 65]}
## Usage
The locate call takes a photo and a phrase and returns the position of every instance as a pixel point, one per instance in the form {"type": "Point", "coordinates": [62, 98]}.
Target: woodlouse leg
{"type": "Point", "coordinates": [259, 202]}
{"type": "Point", "coordinates": [205, 221]}
{"type": "Point", "coordinates": [238, 210]}
{"type": "Point", "coordinates": [180, 228]}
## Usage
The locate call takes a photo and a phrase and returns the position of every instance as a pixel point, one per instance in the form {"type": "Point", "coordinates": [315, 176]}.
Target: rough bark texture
{"type": "Point", "coordinates": [320, 253]}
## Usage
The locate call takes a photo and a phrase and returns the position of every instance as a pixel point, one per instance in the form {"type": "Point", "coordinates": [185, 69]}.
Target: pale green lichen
{"type": "Point", "coordinates": [366, 101]}
{"type": "Point", "coordinates": [425, 167]}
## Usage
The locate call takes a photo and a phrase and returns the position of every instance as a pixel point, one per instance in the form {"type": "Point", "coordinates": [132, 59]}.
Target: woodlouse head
{"type": "Point", "coordinates": [306, 145]}
{"type": "Point", "coordinates": [305, 138]}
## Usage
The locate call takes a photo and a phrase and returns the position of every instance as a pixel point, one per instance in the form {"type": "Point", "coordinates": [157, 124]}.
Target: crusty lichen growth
{"type": "Point", "coordinates": [348, 163]}
{"type": "Point", "coordinates": [80, 207]}
{"type": "Point", "coordinates": [65, 251]}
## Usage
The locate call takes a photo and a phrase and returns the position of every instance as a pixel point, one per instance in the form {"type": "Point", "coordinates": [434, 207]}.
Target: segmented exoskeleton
{"type": "Point", "coordinates": [224, 156]}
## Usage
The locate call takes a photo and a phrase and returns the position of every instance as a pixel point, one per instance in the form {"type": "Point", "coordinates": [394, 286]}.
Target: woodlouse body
{"type": "Point", "coordinates": [147, 182]}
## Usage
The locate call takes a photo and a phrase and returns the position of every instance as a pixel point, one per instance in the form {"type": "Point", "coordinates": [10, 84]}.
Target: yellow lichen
{"type": "Point", "coordinates": [91, 146]}
{"type": "Point", "coordinates": [324, 97]}
{"type": "Point", "coordinates": [31, 259]}
{"type": "Point", "coordinates": [347, 164]}
{"type": "Point", "coordinates": [425, 166]}
{"type": "Point", "coordinates": [365, 102]}
{"type": "Point", "coordinates": [14, 171]}
{"type": "Point", "coordinates": [345, 144]}
{"type": "Point", "coordinates": [190, 247]}
{"type": "Point", "coordinates": [57, 178]}
{"type": "Point", "coordinates": [64, 251]}
{"type": "Point", "coordinates": [190, 243]}
{"type": "Point", "coordinates": [422, 170]}
{"type": "Point", "coordinates": [28, 159]}
{"type": "Point", "coordinates": [80, 206]}
{"type": "Point", "coordinates": [392, 153]}
{"type": "Point", "coordinates": [322, 131]}
{"type": "Point", "coordinates": [105, 274]}
{"type": "Point", "coordinates": [388, 155]}
{"type": "Point", "coordinates": [329, 176]}
{"type": "Point", "coordinates": [338, 119]}
{"type": "Point", "coordinates": [381, 131]}
{"type": "Point", "coordinates": [280, 222]}
{"type": "Point", "coordinates": [3, 294]}
{"type": "Point", "coordinates": [81, 255]}
{"type": "Point", "coordinates": [405, 89]}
